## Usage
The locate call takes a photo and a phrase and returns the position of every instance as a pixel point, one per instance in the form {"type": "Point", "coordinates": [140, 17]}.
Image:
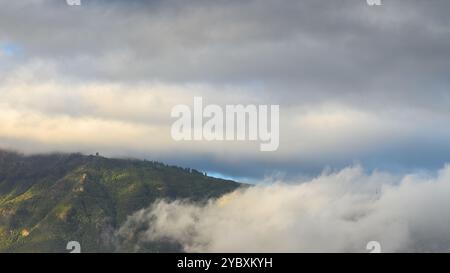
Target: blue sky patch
{"type": "Point", "coordinates": [10, 49]}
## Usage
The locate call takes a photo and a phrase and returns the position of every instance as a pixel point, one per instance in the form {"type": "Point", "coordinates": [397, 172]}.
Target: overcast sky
{"type": "Point", "coordinates": [354, 83]}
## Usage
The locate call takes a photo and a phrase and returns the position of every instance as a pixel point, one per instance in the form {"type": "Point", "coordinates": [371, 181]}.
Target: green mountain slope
{"type": "Point", "coordinates": [49, 200]}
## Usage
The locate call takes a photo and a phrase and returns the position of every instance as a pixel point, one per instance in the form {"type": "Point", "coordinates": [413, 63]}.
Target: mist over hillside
{"type": "Point", "coordinates": [337, 211]}
{"type": "Point", "coordinates": [48, 200]}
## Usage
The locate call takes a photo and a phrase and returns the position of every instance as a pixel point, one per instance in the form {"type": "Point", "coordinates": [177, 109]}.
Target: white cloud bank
{"type": "Point", "coordinates": [335, 212]}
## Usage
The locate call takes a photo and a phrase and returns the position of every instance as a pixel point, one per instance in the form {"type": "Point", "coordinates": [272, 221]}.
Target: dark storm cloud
{"type": "Point", "coordinates": [305, 49]}
{"type": "Point", "coordinates": [291, 43]}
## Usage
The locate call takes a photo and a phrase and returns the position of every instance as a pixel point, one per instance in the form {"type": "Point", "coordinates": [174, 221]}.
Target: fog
{"type": "Point", "coordinates": [335, 212]}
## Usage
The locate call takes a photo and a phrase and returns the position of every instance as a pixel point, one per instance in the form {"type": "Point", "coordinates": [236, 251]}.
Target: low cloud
{"type": "Point", "coordinates": [335, 212]}
{"type": "Point", "coordinates": [42, 111]}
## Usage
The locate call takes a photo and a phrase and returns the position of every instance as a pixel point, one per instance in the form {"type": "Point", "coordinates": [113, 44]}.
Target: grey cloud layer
{"type": "Point", "coordinates": [355, 83]}
{"type": "Point", "coordinates": [307, 43]}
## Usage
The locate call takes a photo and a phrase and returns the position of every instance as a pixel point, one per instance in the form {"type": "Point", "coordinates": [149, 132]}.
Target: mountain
{"type": "Point", "coordinates": [48, 200]}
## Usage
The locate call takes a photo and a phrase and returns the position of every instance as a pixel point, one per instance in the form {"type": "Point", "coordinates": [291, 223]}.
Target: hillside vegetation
{"type": "Point", "coordinates": [49, 200]}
